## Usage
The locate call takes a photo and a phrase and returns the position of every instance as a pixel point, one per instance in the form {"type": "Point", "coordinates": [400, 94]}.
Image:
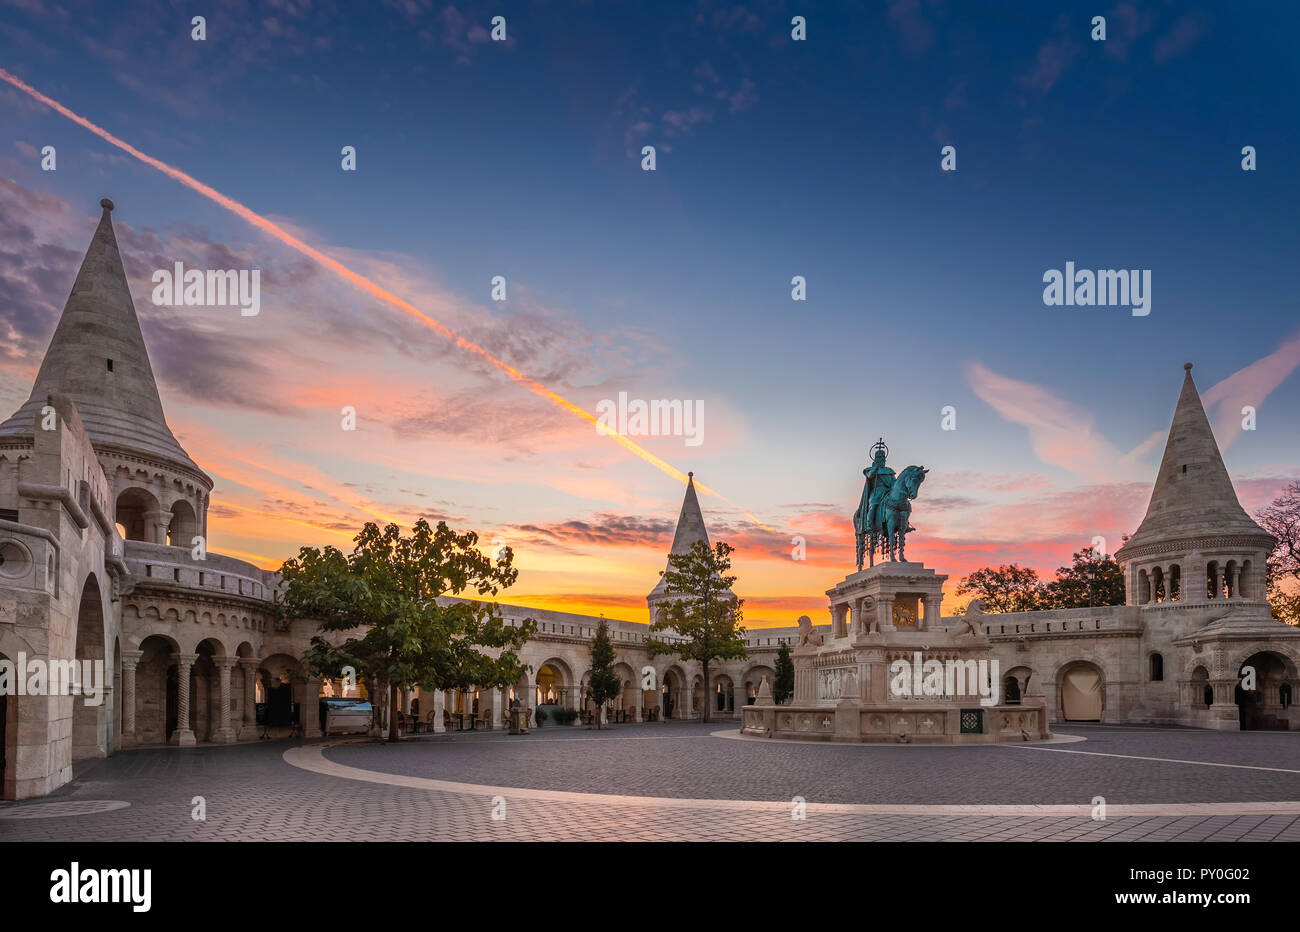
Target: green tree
{"type": "Point", "coordinates": [603, 684]}
{"type": "Point", "coordinates": [1006, 588]}
{"type": "Point", "coordinates": [706, 614]}
{"type": "Point", "coordinates": [783, 688]}
{"type": "Point", "coordinates": [386, 592]}
{"type": "Point", "coordinates": [1087, 581]}
{"type": "Point", "coordinates": [1281, 518]}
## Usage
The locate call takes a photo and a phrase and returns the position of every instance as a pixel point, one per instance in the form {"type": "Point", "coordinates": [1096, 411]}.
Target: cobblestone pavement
{"type": "Point", "coordinates": [682, 782]}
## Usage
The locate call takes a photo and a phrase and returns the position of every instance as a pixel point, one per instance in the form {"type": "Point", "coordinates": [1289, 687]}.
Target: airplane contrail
{"type": "Point", "coordinates": [360, 281]}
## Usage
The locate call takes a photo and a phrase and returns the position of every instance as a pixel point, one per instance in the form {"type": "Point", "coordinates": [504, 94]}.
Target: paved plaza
{"type": "Point", "coordinates": [684, 782]}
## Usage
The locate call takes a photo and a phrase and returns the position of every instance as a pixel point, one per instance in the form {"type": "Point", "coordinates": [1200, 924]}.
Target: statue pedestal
{"type": "Point", "coordinates": [890, 672]}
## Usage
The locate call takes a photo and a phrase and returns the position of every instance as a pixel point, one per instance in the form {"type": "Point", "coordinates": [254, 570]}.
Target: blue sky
{"type": "Point", "coordinates": [775, 158]}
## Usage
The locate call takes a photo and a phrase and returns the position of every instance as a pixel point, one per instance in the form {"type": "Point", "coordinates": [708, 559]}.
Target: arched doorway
{"type": "Point", "coordinates": [724, 694]}
{"type": "Point", "coordinates": [1265, 706]}
{"type": "Point", "coordinates": [1015, 684]}
{"type": "Point", "coordinates": [626, 702]}
{"type": "Point", "coordinates": [672, 693]}
{"type": "Point", "coordinates": [89, 728]}
{"type": "Point", "coordinates": [753, 679]}
{"type": "Point", "coordinates": [279, 674]}
{"type": "Point", "coordinates": [552, 684]}
{"type": "Point", "coordinates": [1082, 692]}
{"type": "Point", "coordinates": [155, 690]}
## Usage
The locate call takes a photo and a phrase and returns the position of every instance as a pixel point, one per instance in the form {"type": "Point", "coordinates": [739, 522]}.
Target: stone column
{"type": "Point", "coordinates": [224, 733]}
{"type": "Point", "coordinates": [156, 522]}
{"type": "Point", "coordinates": [638, 697]}
{"type": "Point", "coordinates": [130, 658]}
{"type": "Point", "coordinates": [837, 621]}
{"type": "Point", "coordinates": [1236, 581]}
{"type": "Point", "coordinates": [183, 736]}
{"type": "Point", "coordinates": [438, 705]}
{"type": "Point", "coordinates": [885, 606]}
{"type": "Point", "coordinates": [689, 686]}
{"type": "Point", "coordinates": [309, 708]}
{"type": "Point", "coordinates": [248, 728]}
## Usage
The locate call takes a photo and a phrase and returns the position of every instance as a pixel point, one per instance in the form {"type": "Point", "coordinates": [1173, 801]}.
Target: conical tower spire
{"type": "Point", "coordinates": [690, 528]}
{"type": "Point", "coordinates": [1193, 495]}
{"type": "Point", "coordinates": [97, 356]}
{"type": "Point", "coordinates": [690, 523]}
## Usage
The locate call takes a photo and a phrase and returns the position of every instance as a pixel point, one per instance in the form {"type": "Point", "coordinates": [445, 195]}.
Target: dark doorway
{"type": "Point", "coordinates": [279, 705]}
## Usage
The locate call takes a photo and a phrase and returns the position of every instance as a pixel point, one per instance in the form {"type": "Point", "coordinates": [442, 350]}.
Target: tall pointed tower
{"type": "Point", "coordinates": [1196, 543]}
{"type": "Point", "coordinates": [97, 357]}
{"type": "Point", "coordinates": [690, 528]}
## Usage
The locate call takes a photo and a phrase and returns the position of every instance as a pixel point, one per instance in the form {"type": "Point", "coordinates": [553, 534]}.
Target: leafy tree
{"type": "Point", "coordinates": [386, 591]}
{"type": "Point", "coordinates": [1005, 588]}
{"type": "Point", "coordinates": [603, 684]}
{"type": "Point", "coordinates": [783, 688]}
{"type": "Point", "coordinates": [1281, 518]}
{"type": "Point", "coordinates": [1087, 581]}
{"type": "Point", "coordinates": [707, 615]}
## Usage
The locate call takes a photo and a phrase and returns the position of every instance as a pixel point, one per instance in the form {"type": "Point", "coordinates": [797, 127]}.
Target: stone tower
{"type": "Point", "coordinates": [1196, 543]}
{"type": "Point", "coordinates": [97, 358]}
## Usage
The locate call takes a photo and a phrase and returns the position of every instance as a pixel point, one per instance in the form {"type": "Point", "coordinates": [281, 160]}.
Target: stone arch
{"type": "Point", "coordinates": [136, 512]}
{"type": "Point", "coordinates": [752, 679]}
{"type": "Point", "coordinates": [722, 694]}
{"type": "Point", "coordinates": [1264, 707]}
{"type": "Point", "coordinates": [672, 692]}
{"type": "Point", "coordinates": [155, 687]}
{"type": "Point", "coordinates": [631, 686]}
{"type": "Point", "coordinates": [1202, 693]}
{"type": "Point", "coordinates": [1020, 677]}
{"type": "Point", "coordinates": [89, 722]}
{"type": "Point", "coordinates": [1081, 685]}
{"type": "Point", "coordinates": [16, 761]}
{"type": "Point", "coordinates": [554, 684]}
{"type": "Point", "coordinates": [184, 525]}
{"type": "Point", "coordinates": [1155, 666]}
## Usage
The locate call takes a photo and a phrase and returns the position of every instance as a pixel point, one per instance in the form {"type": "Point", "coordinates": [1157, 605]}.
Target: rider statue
{"type": "Point", "coordinates": [881, 521]}
{"type": "Point", "coordinates": [880, 479]}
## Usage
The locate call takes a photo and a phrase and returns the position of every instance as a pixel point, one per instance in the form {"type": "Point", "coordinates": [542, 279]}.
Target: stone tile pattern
{"type": "Point", "coordinates": [252, 794]}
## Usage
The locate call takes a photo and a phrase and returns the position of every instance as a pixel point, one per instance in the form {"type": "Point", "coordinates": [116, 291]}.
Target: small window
{"type": "Point", "coordinates": [110, 369]}
{"type": "Point", "coordinates": [110, 365]}
{"type": "Point", "coordinates": [1157, 667]}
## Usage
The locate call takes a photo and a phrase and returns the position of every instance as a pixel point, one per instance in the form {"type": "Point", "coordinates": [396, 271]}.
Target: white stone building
{"type": "Point", "coordinates": [101, 510]}
{"type": "Point", "coordinates": [100, 513]}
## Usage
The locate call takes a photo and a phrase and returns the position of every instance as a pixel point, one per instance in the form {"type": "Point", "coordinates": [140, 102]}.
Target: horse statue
{"type": "Point", "coordinates": [882, 519]}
